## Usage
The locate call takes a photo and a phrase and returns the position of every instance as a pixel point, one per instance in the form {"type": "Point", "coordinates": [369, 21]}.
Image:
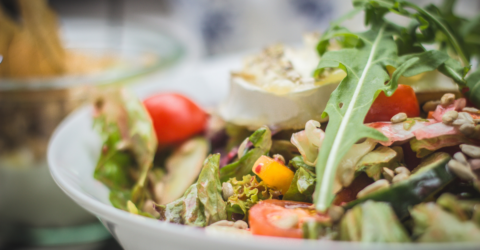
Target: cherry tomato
{"type": "Point", "coordinates": [384, 108]}
{"type": "Point", "coordinates": [264, 215]}
{"type": "Point", "coordinates": [175, 117]}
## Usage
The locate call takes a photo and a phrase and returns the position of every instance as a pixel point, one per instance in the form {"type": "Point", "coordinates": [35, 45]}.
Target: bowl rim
{"type": "Point", "coordinates": [103, 210]}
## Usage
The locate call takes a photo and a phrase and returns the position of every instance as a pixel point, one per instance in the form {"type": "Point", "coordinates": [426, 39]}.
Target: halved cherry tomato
{"type": "Point", "coordinates": [175, 117]}
{"type": "Point", "coordinates": [384, 108]}
{"type": "Point", "coordinates": [264, 216]}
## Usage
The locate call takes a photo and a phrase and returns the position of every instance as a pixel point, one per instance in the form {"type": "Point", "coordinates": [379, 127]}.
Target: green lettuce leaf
{"type": "Point", "coordinates": [248, 192]}
{"type": "Point", "coordinates": [382, 157]}
{"type": "Point", "coordinates": [372, 222]}
{"type": "Point", "coordinates": [119, 198]}
{"type": "Point", "coordinates": [425, 147]}
{"type": "Point", "coordinates": [262, 141]}
{"type": "Point", "coordinates": [129, 142]}
{"type": "Point", "coordinates": [210, 191]}
{"type": "Point", "coordinates": [113, 169]}
{"type": "Point", "coordinates": [315, 230]}
{"type": "Point", "coordinates": [297, 162]}
{"type": "Point", "coordinates": [202, 204]}
{"type": "Point", "coordinates": [433, 224]}
{"type": "Point", "coordinates": [302, 187]}
{"type": "Point", "coordinates": [463, 209]}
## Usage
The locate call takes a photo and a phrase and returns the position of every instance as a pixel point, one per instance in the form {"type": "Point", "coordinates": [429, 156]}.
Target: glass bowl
{"type": "Point", "coordinates": [31, 108]}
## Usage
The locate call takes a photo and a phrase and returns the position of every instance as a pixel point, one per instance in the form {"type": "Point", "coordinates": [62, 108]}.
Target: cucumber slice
{"type": "Point", "coordinates": [427, 179]}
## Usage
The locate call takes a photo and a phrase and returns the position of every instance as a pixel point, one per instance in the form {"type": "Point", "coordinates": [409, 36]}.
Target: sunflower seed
{"type": "Point", "coordinates": [400, 177]}
{"type": "Point", "coordinates": [447, 99]}
{"type": "Point", "coordinates": [465, 116]}
{"type": "Point", "coordinates": [372, 188]}
{"type": "Point", "coordinates": [459, 122]}
{"type": "Point", "coordinates": [223, 223]}
{"type": "Point", "coordinates": [388, 174]}
{"type": "Point", "coordinates": [470, 109]}
{"type": "Point", "coordinates": [279, 158]}
{"type": "Point", "coordinates": [462, 171]}
{"type": "Point", "coordinates": [474, 164]}
{"type": "Point", "coordinates": [400, 117]}
{"type": "Point", "coordinates": [467, 129]}
{"type": "Point", "coordinates": [402, 170]}
{"type": "Point", "coordinates": [459, 156]}
{"type": "Point", "coordinates": [470, 150]}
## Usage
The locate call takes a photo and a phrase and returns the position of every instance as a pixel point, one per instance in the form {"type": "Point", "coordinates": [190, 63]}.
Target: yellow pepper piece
{"type": "Point", "coordinates": [273, 173]}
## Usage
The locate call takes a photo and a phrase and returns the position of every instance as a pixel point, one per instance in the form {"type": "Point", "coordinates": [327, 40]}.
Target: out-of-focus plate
{"type": "Point", "coordinates": [28, 195]}
{"type": "Point", "coordinates": [135, 48]}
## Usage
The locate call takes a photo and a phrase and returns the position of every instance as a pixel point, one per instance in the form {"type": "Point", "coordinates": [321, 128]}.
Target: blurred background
{"type": "Point", "coordinates": [225, 26]}
{"type": "Point", "coordinates": [115, 42]}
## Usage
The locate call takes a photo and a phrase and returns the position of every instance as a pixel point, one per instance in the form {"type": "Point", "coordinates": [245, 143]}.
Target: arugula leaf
{"type": "Point", "coordinates": [349, 103]}
{"type": "Point", "coordinates": [202, 204]}
{"type": "Point", "coordinates": [431, 21]}
{"type": "Point", "coordinates": [365, 65]}
{"type": "Point", "coordinates": [473, 83]}
{"type": "Point", "coordinates": [425, 147]}
{"type": "Point", "coordinates": [262, 142]}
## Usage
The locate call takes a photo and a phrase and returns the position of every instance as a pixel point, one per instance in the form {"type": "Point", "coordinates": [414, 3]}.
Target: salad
{"type": "Point", "coordinates": [378, 161]}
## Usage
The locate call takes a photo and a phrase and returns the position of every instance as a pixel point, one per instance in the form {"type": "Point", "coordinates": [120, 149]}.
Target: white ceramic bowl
{"type": "Point", "coordinates": [72, 155]}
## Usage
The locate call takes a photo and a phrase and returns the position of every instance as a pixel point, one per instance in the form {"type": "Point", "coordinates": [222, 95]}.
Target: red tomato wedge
{"type": "Point", "coordinates": [175, 117]}
{"type": "Point", "coordinates": [384, 108]}
{"type": "Point", "coordinates": [263, 217]}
